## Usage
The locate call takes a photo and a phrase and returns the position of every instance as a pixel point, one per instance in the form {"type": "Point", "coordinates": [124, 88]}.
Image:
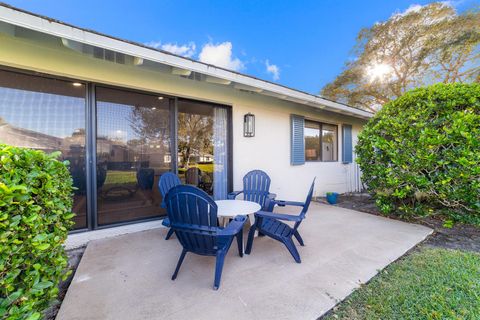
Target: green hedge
{"type": "Point", "coordinates": [420, 154]}
{"type": "Point", "coordinates": [35, 215]}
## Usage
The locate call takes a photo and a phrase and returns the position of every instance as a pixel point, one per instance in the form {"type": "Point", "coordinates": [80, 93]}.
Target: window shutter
{"type": "Point", "coordinates": [347, 146]}
{"type": "Point", "coordinates": [297, 151]}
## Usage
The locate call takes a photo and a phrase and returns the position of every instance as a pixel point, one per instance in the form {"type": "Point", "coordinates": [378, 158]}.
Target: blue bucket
{"type": "Point", "coordinates": [332, 197]}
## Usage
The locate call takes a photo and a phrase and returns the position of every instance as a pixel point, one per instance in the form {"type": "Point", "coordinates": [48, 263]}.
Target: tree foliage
{"type": "Point", "coordinates": [194, 135]}
{"type": "Point", "coordinates": [420, 153]}
{"type": "Point", "coordinates": [424, 45]}
{"type": "Point", "coordinates": [35, 215]}
{"type": "Point", "coordinates": [194, 131]}
{"type": "Point", "coordinates": [150, 124]}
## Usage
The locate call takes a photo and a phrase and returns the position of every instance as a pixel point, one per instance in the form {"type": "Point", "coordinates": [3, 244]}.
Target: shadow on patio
{"type": "Point", "coordinates": [128, 277]}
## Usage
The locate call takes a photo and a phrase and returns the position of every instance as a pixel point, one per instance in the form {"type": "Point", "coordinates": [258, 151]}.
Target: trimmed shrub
{"type": "Point", "coordinates": [420, 154]}
{"type": "Point", "coordinates": [35, 215]}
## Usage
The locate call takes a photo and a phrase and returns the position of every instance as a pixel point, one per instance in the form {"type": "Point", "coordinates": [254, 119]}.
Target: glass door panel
{"type": "Point", "coordinates": [133, 150]}
{"type": "Point", "coordinates": [49, 115]}
{"type": "Point", "coordinates": [202, 146]}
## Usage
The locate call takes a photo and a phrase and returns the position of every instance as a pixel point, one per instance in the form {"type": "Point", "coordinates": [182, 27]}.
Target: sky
{"type": "Point", "coordinates": [300, 44]}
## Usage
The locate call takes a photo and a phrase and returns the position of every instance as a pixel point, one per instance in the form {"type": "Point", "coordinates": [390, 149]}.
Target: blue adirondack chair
{"type": "Point", "coordinates": [270, 224]}
{"type": "Point", "coordinates": [168, 180]}
{"type": "Point", "coordinates": [193, 217]}
{"type": "Point", "coordinates": [256, 186]}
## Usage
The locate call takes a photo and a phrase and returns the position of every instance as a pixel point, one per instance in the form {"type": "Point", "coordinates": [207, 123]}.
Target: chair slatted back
{"type": "Point", "coordinates": [309, 199]}
{"type": "Point", "coordinates": [303, 213]}
{"type": "Point", "coordinates": [193, 217]}
{"type": "Point", "coordinates": [256, 186]}
{"type": "Point", "coordinates": [168, 180]}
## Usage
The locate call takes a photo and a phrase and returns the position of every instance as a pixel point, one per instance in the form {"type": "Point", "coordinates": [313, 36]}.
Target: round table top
{"type": "Point", "coordinates": [231, 208]}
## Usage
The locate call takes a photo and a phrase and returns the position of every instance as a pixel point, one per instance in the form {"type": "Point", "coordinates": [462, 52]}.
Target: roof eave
{"type": "Point", "coordinates": [56, 28]}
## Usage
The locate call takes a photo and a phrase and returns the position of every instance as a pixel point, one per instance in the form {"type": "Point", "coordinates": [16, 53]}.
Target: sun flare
{"type": "Point", "coordinates": [379, 71]}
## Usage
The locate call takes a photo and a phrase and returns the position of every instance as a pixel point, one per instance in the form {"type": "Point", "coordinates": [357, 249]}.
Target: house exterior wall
{"type": "Point", "coordinates": [269, 150]}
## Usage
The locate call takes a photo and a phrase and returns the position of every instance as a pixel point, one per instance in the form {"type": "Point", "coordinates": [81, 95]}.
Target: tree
{"type": "Point", "coordinates": [194, 135]}
{"type": "Point", "coordinates": [424, 45]}
{"type": "Point", "coordinates": [195, 132]}
{"type": "Point", "coordinates": [150, 124]}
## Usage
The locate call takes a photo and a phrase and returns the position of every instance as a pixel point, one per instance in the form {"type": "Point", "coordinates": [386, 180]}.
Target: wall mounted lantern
{"type": "Point", "coordinates": [249, 125]}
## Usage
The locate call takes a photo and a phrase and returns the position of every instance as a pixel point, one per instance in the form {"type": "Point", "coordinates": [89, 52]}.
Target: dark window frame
{"type": "Point", "coordinates": [320, 126]}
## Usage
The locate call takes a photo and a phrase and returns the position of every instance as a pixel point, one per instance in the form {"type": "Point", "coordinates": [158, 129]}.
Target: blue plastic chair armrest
{"type": "Point", "coordinates": [166, 222]}
{"type": "Point", "coordinates": [234, 226]}
{"type": "Point", "coordinates": [283, 203]}
{"type": "Point", "coordinates": [280, 216]}
{"type": "Point", "coordinates": [233, 195]}
{"type": "Point", "coordinates": [269, 202]}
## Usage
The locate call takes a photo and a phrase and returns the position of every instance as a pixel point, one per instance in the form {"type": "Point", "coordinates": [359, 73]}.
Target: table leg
{"type": "Point", "coordinates": [251, 217]}
{"type": "Point", "coordinates": [224, 221]}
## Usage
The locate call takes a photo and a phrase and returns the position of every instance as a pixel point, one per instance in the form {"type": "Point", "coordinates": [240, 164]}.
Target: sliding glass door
{"type": "Point", "coordinates": [202, 146]}
{"type": "Point", "coordinates": [133, 150]}
{"type": "Point", "coordinates": [118, 142]}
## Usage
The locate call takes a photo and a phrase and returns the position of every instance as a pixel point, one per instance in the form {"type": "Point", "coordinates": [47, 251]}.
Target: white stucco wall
{"type": "Point", "coordinates": [269, 150]}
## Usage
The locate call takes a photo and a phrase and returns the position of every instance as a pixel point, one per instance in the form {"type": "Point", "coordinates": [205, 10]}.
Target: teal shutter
{"type": "Point", "coordinates": [347, 146]}
{"type": "Point", "coordinates": [297, 151]}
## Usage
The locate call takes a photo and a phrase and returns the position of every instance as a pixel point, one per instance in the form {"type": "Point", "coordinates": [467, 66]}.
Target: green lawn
{"type": "Point", "coordinates": [204, 167]}
{"type": "Point", "coordinates": [121, 177]}
{"type": "Point", "coordinates": [130, 177]}
{"type": "Point", "coordinates": [428, 284]}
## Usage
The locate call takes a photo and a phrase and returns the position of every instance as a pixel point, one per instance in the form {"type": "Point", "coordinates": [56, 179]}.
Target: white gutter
{"type": "Point", "coordinates": [55, 28]}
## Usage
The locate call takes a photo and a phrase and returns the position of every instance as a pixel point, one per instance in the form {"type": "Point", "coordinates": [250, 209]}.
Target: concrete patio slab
{"type": "Point", "coordinates": [128, 277]}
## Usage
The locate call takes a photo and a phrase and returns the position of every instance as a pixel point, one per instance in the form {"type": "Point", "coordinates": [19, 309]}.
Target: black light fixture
{"type": "Point", "coordinates": [249, 125]}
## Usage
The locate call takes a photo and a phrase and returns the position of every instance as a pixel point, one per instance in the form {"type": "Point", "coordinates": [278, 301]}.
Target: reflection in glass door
{"type": "Point", "coordinates": [49, 115]}
{"type": "Point", "coordinates": [133, 142]}
{"type": "Point", "coordinates": [133, 150]}
{"type": "Point", "coordinates": [202, 146]}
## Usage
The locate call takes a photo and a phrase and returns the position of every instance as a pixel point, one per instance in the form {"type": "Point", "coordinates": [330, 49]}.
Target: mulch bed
{"type": "Point", "coordinates": [460, 236]}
